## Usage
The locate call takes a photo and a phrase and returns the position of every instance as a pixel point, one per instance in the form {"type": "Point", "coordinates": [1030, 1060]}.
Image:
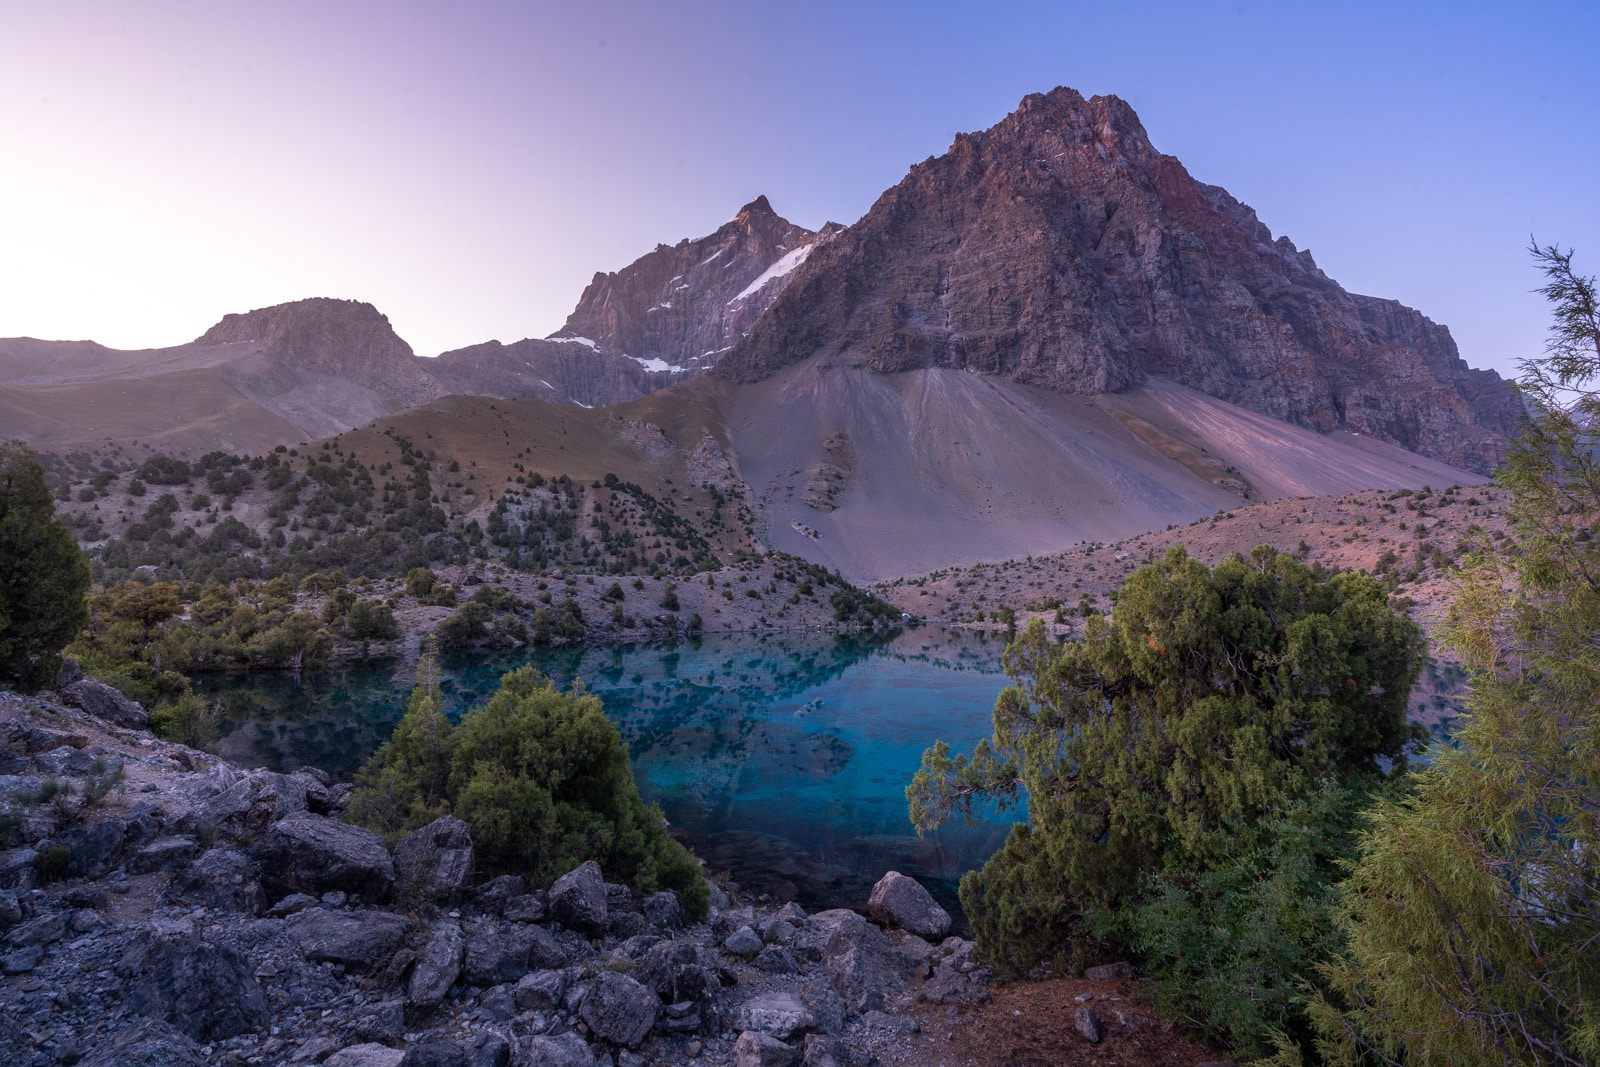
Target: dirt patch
{"type": "Point", "coordinates": [1031, 1024]}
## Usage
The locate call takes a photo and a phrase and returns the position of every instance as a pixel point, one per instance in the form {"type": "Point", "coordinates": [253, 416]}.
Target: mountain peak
{"type": "Point", "coordinates": [1059, 248]}
{"type": "Point", "coordinates": [758, 206]}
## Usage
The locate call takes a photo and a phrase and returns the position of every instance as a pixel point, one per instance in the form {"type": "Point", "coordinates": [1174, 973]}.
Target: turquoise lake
{"type": "Point", "coordinates": [781, 759]}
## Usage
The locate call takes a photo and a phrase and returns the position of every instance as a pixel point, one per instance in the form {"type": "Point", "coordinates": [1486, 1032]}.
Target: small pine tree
{"type": "Point", "coordinates": [43, 575]}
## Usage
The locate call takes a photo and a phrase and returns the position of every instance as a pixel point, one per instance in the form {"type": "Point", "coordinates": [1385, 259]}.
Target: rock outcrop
{"type": "Point", "coordinates": [1061, 249]}
{"type": "Point", "coordinates": [681, 307]}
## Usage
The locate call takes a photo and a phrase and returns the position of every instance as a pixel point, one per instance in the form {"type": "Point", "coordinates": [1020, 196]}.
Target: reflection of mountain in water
{"type": "Point", "coordinates": [782, 759]}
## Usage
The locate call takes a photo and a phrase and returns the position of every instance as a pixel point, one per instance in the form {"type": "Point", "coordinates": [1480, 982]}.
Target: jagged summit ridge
{"type": "Point", "coordinates": [680, 307]}
{"type": "Point", "coordinates": [1060, 248]}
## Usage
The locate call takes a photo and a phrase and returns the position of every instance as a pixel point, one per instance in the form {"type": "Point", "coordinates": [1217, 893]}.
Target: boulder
{"type": "Point", "coordinates": [96, 848]}
{"type": "Point", "coordinates": [307, 853]}
{"type": "Point", "coordinates": [69, 672]}
{"type": "Point", "coordinates": [862, 964]}
{"type": "Point", "coordinates": [762, 1050]}
{"type": "Point", "coordinates": [780, 1014]}
{"type": "Point", "coordinates": [578, 900]}
{"type": "Point", "coordinates": [1109, 972]}
{"type": "Point", "coordinates": [743, 942]}
{"type": "Point", "coordinates": [248, 806]}
{"type": "Point", "coordinates": [64, 761]}
{"type": "Point", "coordinates": [901, 901]}
{"type": "Point", "coordinates": [361, 939]}
{"type": "Point", "coordinates": [541, 991]}
{"type": "Point", "coordinates": [950, 985]}
{"type": "Point", "coordinates": [493, 895]}
{"type": "Point", "coordinates": [368, 1054]}
{"type": "Point", "coordinates": [1087, 1023]}
{"type": "Point", "coordinates": [566, 1050]}
{"type": "Point", "coordinates": [206, 990]}
{"type": "Point", "coordinates": [164, 854]}
{"type": "Point", "coordinates": [438, 966]}
{"type": "Point", "coordinates": [150, 1043]}
{"type": "Point", "coordinates": [619, 1009]}
{"type": "Point", "coordinates": [103, 702]}
{"type": "Point", "coordinates": [505, 951]}
{"type": "Point", "coordinates": [526, 908]}
{"type": "Point", "coordinates": [434, 864]}
{"type": "Point", "coordinates": [662, 910]}
{"type": "Point", "coordinates": [223, 879]}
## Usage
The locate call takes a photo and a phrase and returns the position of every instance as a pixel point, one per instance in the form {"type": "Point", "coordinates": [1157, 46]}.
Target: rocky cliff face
{"type": "Point", "coordinates": [1059, 248]}
{"type": "Point", "coordinates": [682, 306]}
{"type": "Point", "coordinates": [560, 371]}
{"type": "Point", "coordinates": [345, 339]}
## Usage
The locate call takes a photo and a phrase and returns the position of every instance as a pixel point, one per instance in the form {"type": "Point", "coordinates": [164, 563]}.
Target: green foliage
{"type": "Point", "coordinates": [1473, 911]}
{"type": "Point", "coordinates": [1180, 741]}
{"type": "Point", "coordinates": [405, 784]}
{"type": "Point", "coordinates": [52, 861]}
{"type": "Point", "coordinates": [1230, 948]}
{"type": "Point", "coordinates": [188, 720]}
{"type": "Point", "coordinates": [43, 575]}
{"type": "Point", "coordinates": [541, 776]}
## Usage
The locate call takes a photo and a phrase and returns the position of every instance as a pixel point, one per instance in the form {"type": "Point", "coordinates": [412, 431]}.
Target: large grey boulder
{"type": "Point", "coordinates": [206, 990]}
{"type": "Point", "coordinates": [901, 901]}
{"type": "Point", "coordinates": [361, 939]}
{"type": "Point", "coordinates": [223, 879]}
{"type": "Point", "coordinates": [95, 848]}
{"type": "Point", "coordinates": [862, 965]}
{"type": "Point", "coordinates": [619, 1009]}
{"type": "Point", "coordinates": [151, 1043]}
{"type": "Point", "coordinates": [164, 854]}
{"type": "Point", "coordinates": [434, 864]}
{"type": "Point", "coordinates": [541, 991]}
{"type": "Point", "coordinates": [565, 1050]}
{"type": "Point", "coordinates": [313, 854]}
{"type": "Point", "coordinates": [762, 1050]}
{"type": "Point", "coordinates": [505, 951]}
{"type": "Point", "coordinates": [248, 806]}
{"type": "Point", "coordinates": [781, 1014]}
{"type": "Point", "coordinates": [578, 899]}
{"type": "Point", "coordinates": [437, 967]}
{"type": "Point", "coordinates": [368, 1054]}
{"type": "Point", "coordinates": [103, 702]}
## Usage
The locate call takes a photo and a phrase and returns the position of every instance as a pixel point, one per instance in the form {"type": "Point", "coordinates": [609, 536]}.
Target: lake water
{"type": "Point", "coordinates": [780, 758]}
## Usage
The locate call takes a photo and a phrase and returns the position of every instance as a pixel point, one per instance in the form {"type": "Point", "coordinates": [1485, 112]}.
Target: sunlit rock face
{"type": "Point", "coordinates": [1061, 249]}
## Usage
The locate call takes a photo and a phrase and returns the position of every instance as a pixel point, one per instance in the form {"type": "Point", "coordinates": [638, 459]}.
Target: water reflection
{"type": "Point", "coordinates": [782, 759]}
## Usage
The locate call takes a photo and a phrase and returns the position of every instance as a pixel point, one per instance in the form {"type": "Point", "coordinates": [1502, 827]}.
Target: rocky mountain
{"type": "Point", "coordinates": [682, 307]}
{"type": "Point", "coordinates": [561, 371]}
{"type": "Point", "coordinates": [1061, 249]}
{"type": "Point", "coordinates": [341, 339]}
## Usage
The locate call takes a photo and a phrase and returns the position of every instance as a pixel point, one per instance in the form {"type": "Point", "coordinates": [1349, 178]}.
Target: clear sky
{"type": "Point", "coordinates": [467, 166]}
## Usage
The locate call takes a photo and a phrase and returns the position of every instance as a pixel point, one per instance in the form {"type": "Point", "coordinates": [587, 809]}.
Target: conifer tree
{"type": "Point", "coordinates": [1474, 909]}
{"type": "Point", "coordinates": [43, 575]}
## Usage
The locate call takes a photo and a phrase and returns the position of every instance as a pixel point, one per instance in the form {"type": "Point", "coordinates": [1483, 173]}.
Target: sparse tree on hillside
{"type": "Point", "coordinates": [1474, 909]}
{"type": "Point", "coordinates": [43, 575]}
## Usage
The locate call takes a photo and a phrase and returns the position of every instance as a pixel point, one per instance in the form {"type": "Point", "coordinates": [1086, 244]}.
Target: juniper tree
{"type": "Point", "coordinates": [43, 575]}
{"type": "Point", "coordinates": [1474, 910]}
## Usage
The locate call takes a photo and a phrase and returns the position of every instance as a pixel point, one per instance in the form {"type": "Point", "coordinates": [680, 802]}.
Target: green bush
{"type": "Point", "coordinates": [541, 776]}
{"type": "Point", "coordinates": [1172, 763]}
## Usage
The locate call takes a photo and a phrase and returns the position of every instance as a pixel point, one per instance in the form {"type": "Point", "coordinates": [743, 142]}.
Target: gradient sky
{"type": "Point", "coordinates": [466, 167]}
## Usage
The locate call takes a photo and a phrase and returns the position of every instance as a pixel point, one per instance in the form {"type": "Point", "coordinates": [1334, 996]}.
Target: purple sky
{"type": "Point", "coordinates": [467, 167]}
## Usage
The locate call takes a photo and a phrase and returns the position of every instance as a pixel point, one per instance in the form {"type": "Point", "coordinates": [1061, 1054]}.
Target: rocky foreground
{"type": "Point", "coordinates": [159, 905]}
